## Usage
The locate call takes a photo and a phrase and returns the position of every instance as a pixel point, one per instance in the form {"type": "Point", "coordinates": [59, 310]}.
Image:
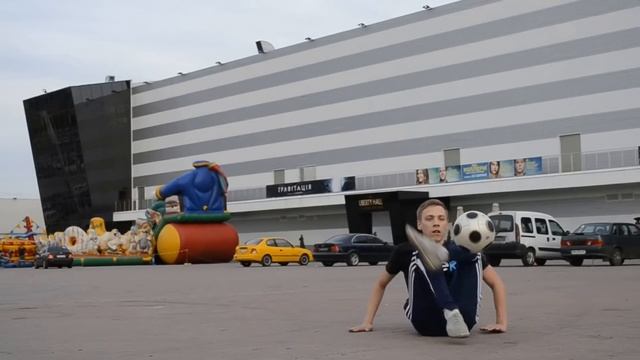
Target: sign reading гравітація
{"type": "Point", "coordinates": [299, 188]}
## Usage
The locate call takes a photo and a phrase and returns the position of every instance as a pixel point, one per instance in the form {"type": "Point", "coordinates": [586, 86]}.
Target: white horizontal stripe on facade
{"type": "Point", "coordinates": [390, 165]}
{"type": "Point", "coordinates": [605, 177]}
{"type": "Point", "coordinates": [602, 141]}
{"type": "Point", "coordinates": [524, 114]}
{"type": "Point", "coordinates": [430, 26]}
{"type": "Point", "coordinates": [532, 39]}
{"type": "Point", "coordinates": [339, 170]}
{"type": "Point", "coordinates": [618, 60]}
{"type": "Point", "coordinates": [510, 150]}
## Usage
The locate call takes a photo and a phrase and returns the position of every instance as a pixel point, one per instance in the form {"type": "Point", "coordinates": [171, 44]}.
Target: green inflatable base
{"type": "Point", "coordinates": [111, 260]}
{"type": "Point", "coordinates": [190, 219]}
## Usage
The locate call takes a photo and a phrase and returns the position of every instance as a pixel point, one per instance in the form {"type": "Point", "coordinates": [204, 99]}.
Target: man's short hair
{"type": "Point", "coordinates": [431, 202]}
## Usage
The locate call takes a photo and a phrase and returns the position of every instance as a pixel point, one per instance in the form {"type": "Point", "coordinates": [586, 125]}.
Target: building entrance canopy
{"type": "Point", "coordinates": [401, 205]}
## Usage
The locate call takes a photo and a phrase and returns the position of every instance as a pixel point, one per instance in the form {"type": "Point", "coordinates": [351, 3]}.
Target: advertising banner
{"type": "Point", "coordinates": [299, 188]}
{"type": "Point", "coordinates": [494, 169]}
{"type": "Point", "coordinates": [422, 176]}
{"type": "Point", "coordinates": [453, 174]}
{"type": "Point", "coordinates": [534, 165]}
{"type": "Point", "coordinates": [500, 169]}
{"type": "Point", "coordinates": [439, 175]}
{"type": "Point", "coordinates": [434, 175]}
{"type": "Point", "coordinates": [476, 171]}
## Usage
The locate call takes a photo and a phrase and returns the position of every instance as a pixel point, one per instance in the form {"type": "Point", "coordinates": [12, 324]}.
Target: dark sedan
{"type": "Point", "coordinates": [614, 242]}
{"type": "Point", "coordinates": [54, 256]}
{"type": "Point", "coordinates": [352, 249]}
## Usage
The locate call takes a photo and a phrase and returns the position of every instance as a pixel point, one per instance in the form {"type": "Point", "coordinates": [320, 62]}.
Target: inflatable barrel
{"type": "Point", "coordinates": [183, 241]}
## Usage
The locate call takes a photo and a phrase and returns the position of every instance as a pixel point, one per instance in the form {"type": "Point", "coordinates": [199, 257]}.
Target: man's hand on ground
{"type": "Point", "coordinates": [494, 329]}
{"type": "Point", "coordinates": [361, 328]}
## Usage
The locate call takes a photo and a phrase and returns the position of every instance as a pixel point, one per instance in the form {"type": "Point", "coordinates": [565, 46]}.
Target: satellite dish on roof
{"type": "Point", "coordinates": [264, 46]}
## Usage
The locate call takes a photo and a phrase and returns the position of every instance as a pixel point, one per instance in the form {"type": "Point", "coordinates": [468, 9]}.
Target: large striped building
{"type": "Point", "coordinates": [469, 82]}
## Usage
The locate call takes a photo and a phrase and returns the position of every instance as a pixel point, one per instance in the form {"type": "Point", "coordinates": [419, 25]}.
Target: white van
{"type": "Point", "coordinates": [530, 236]}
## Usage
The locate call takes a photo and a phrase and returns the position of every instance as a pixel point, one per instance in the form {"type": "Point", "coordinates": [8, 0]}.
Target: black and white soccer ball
{"type": "Point", "coordinates": [473, 230]}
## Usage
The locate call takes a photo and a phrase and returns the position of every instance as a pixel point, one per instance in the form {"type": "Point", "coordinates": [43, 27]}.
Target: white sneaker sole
{"type": "Point", "coordinates": [433, 255]}
{"type": "Point", "coordinates": [456, 327]}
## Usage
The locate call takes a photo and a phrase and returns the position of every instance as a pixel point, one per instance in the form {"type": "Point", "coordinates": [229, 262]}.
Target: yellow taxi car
{"type": "Point", "coordinates": [270, 250]}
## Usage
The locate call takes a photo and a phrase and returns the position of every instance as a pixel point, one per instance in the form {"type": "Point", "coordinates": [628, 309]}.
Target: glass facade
{"type": "Point", "coordinates": [80, 141]}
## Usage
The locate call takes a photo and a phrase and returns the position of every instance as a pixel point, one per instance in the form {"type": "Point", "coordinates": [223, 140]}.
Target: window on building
{"type": "Point", "coordinates": [141, 198]}
{"type": "Point", "coordinates": [278, 176]}
{"type": "Point", "coordinates": [570, 153]}
{"type": "Point", "coordinates": [307, 173]}
{"type": "Point", "coordinates": [451, 157]}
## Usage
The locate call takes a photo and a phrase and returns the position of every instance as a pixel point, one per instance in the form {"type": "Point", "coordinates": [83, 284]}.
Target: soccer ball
{"type": "Point", "coordinates": [473, 230]}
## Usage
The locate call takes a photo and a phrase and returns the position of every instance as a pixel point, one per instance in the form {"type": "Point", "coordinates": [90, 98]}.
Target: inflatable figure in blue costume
{"type": "Point", "coordinates": [200, 234]}
{"type": "Point", "coordinates": [203, 190]}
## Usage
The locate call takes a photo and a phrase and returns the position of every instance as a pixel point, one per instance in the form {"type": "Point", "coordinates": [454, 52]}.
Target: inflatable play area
{"type": "Point", "coordinates": [187, 224]}
{"type": "Point", "coordinates": [99, 247]}
{"type": "Point", "coordinates": [19, 246]}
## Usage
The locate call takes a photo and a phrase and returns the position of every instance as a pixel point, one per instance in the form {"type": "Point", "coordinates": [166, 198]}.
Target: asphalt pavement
{"type": "Point", "coordinates": [225, 311]}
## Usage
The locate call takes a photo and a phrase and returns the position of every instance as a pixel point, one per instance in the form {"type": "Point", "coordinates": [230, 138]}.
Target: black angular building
{"type": "Point", "coordinates": [81, 146]}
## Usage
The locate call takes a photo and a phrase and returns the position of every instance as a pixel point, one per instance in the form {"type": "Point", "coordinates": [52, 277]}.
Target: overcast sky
{"type": "Point", "coordinates": [55, 44]}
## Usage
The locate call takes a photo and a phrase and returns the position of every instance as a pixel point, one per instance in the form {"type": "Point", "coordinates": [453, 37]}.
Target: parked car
{"type": "Point", "coordinates": [530, 236]}
{"type": "Point", "coordinates": [54, 256]}
{"type": "Point", "coordinates": [270, 250]}
{"type": "Point", "coordinates": [352, 249]}
{"type": "Point", "coordinates": [614, 242]}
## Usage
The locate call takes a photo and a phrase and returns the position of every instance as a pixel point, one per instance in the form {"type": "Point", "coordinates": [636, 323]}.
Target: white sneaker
{"type": "Point", "coordinates": [432, 254]}
{"type": "Point", "coordinates": [456, 327]}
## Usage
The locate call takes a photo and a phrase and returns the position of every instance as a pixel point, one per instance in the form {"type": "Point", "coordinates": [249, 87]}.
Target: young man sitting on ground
{"type": "Point", "coordinates": [444, 286]}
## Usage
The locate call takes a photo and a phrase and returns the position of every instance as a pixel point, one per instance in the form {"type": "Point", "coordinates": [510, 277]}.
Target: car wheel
{"type": "Point", "coordinates": [529, 258]}
{"type": "Point", "coordinates": [616, 258]}
{"type": "Point", "coordinates": [541, 262]}
{"type": "Point", "coordinates": [373, 263]}
{"type": "Point", "coordinates": [266, 260]}
{"type": "Point", "coordinates": [576, 261]}
{"type": "Point", "coordinates": [304, 259]}
{"type": "Point", "coordinates": [353, 259]}
{"type": "Point", "coordinates": [245, 263]}
{"type": "Point", "coordinates": [327, 263]}
{"type": "Point", "coordinates": [284, 263]}
{"type": "Point", "coordinates": [70, 266]}
{"type": "Point", "coordinates": [494, 261]}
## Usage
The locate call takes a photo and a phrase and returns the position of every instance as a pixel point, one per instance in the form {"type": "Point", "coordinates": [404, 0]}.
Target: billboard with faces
{"type": "Point", "coordinates": [494, 169]}
{"type": "Point", "coordinates": [449, 174]}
